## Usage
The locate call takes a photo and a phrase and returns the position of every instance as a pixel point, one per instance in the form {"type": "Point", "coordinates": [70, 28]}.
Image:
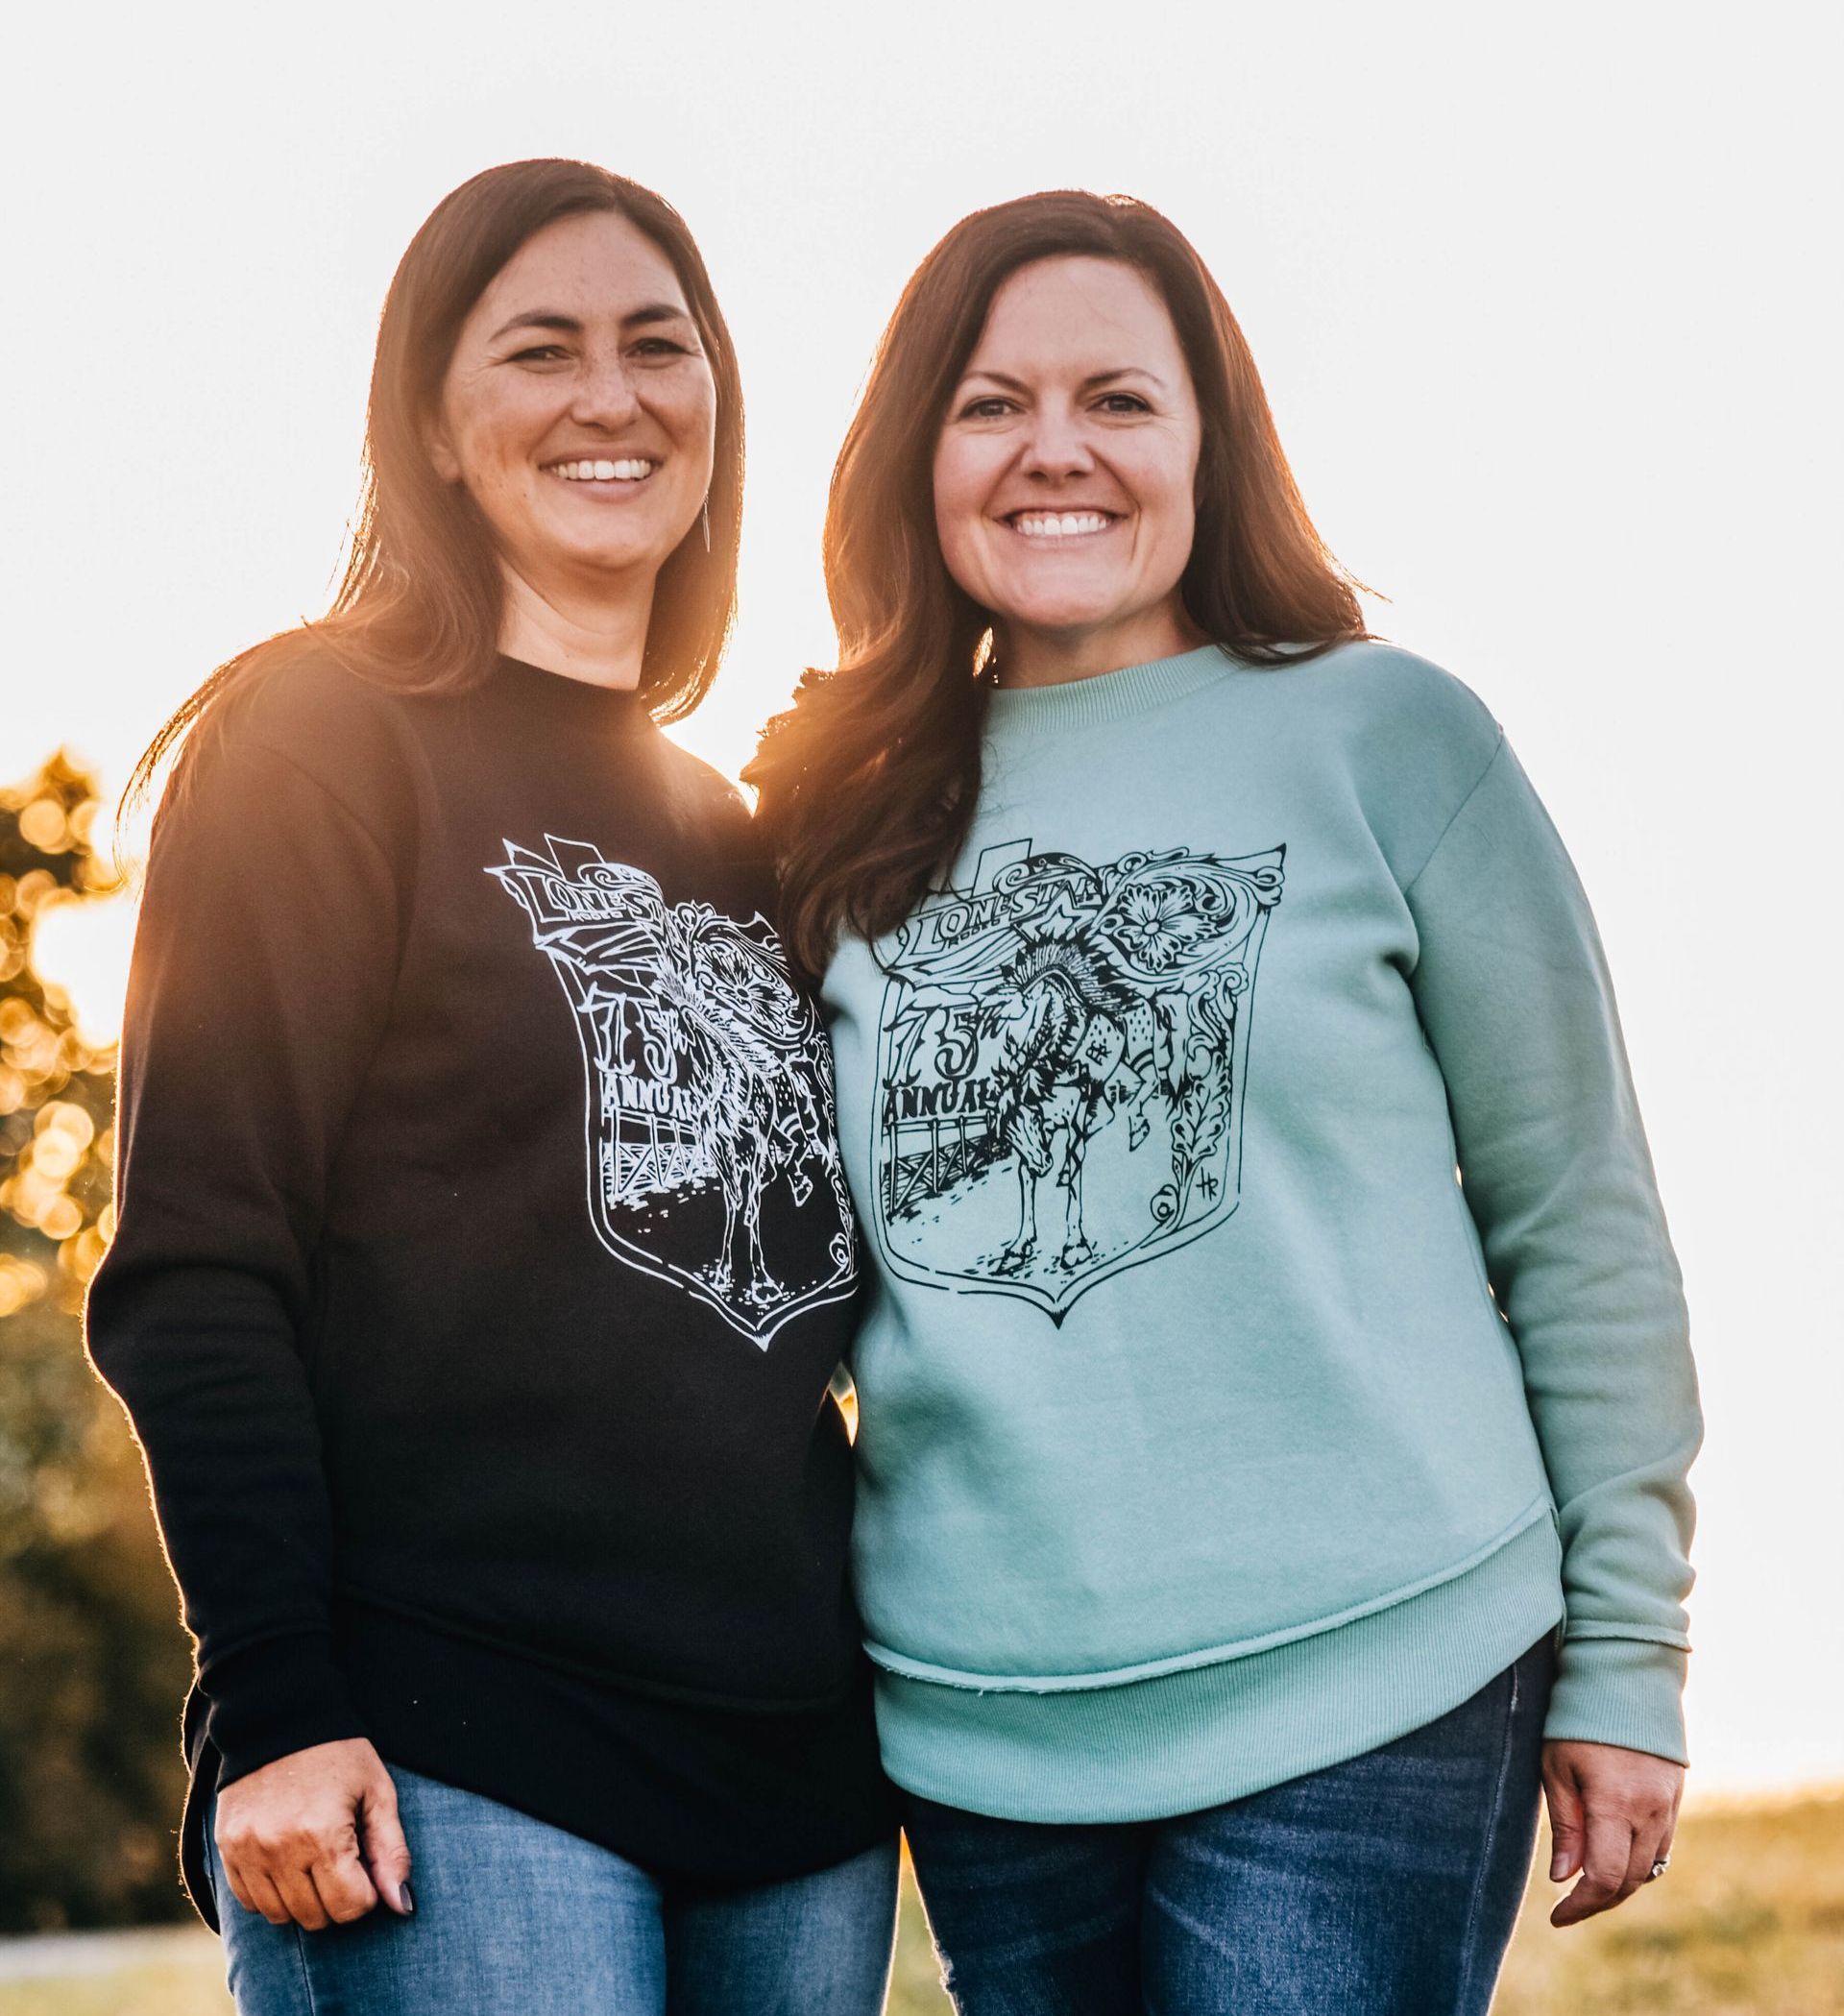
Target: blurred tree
{"type": "Point", "coordinates": [93, 1661]}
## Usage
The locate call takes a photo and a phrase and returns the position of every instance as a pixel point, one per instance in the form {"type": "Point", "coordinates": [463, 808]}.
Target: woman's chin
{"type": "Point", "coordinates": [614, 559]}
{"type": "Point", "coordinates": [1062, 617]}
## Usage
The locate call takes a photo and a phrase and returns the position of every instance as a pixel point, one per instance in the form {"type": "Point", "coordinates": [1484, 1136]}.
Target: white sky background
{"type": "Point", "coordinates": [1542, 301]}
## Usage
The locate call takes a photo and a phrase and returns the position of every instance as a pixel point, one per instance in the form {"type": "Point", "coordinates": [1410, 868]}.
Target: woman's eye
{"type": "Point", "coordinates": [986, 409]}
{"type": "Point", "coordinates": [538, 353]}
{"type": "Point", "coordinates": [660, 347]}
{"type": "Point", "coordinates": [1124, 403]}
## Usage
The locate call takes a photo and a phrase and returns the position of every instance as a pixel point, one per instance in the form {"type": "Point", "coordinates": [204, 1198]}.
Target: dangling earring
{"type": "Point", "coordinates": [704, 520]}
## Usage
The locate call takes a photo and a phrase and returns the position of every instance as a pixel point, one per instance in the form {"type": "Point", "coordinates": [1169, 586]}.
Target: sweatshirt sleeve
{"type": "Point", "coordinates": [1513, 991]}
{"type": "Point", "coordinates": [262, 973]}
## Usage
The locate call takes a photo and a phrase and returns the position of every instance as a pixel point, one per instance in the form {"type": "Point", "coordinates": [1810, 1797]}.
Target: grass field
{"type": "Point", "coordinates": [1749, 1923]}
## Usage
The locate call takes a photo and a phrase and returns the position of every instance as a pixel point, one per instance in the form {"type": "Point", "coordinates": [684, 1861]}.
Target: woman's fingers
{"type": "Point", "coordinates": [315, 1840]}
{"type": "Point", "coordinates": [289, 1835]}
{"type": "Point", "coordinates": [238, 1887]}
{"type": "Point", "coordinates": [1605, 1863]}
{"type": "Point", "coordinates": [287, 1887]}
{"type": "Point", "coordinates": [1648, 1846]}
{"type": "Point", "coordinates": [296, 1889]}
{"type": "Point", "coordinates": [1652, 1838]}
{"type": "Point", "coordinates": [1614, 1813]}
{"type": "Point", "coordinates": [254, 1885]}
{"type": "Point", "coordinates": [264, 1897]}
{"type": "Point", "coordinates": [387, 1854]}
{"type": "Point", "coordinates": [1568, 1840]}
{"type": "Point", "coordinates": [341, 1886]}
{"type": "Point", "coordinates": [254, 1894]}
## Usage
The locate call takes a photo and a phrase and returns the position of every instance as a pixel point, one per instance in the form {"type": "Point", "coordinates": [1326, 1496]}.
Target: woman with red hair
{"type": "Point", "coordinates": [483, 1258]}
{"type": "Point", "coordinates": [1275, 1397]}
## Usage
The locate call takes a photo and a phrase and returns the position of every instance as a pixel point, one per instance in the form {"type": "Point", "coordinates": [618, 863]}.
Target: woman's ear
{"type": "Point", "coordinates": [441, 451]}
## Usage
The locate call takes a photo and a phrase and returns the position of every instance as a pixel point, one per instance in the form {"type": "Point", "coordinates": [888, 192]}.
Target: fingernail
{"type": "Point", "coordinates": [1558, 1866]}
{"type": "Point", "coordinates": [409, 1901]}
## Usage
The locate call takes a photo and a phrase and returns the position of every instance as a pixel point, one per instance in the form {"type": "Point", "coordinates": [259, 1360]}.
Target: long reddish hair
{"type": "Point", "coordinates": [418, 604]}
{"type": "Point", "coordinates": [869, 784]}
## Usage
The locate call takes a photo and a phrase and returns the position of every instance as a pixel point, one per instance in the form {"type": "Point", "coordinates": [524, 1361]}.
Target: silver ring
{"type": "Point", "coordinates": [1658, 1868]}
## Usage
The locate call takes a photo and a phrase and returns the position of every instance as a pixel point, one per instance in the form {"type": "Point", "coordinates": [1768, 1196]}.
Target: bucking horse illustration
{"type": "Point", "coordinates": [707, 1072]}
{"type": "Point", "coordinates": [748, 1038]}
{"type": "Point", "coordinates": [1061, 1025]}
{"type": "Point", "coordinates": [1051, 1007]}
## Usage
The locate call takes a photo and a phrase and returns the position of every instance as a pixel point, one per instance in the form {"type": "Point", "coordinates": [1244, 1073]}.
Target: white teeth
{"type": "Point", "coordinates": [602, 471]}
{"type": "Point", "coordinates": [1066, 524]}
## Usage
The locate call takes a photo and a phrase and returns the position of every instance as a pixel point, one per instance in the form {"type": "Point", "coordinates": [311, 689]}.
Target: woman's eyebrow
{"type": "Point", "coordinates": [539, 319]}
{"type": "Point", "coordinates": [570, 326]}
{"type": "Point", "coordinates": [656, 311]}
{"type": "Point", "coordinates": [1088, 384]}
{"type": "Point", "coordinates": [1123, 371]}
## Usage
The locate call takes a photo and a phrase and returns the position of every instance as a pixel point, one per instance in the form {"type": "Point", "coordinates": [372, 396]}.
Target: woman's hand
{"type": "Point", "coordinates": [314, 1839]}
{"type": "Point", "coordinates": [1612, 1813]}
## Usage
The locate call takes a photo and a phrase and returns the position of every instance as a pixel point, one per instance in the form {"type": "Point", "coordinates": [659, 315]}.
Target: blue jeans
{"type": "Point", "coordinates": [1384, 1887]}
{"type": "Point", "coordinates": [515, 1918]}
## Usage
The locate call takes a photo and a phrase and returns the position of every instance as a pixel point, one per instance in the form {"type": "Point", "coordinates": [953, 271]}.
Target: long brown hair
{"type": "Point", "coordinates": [869, 784]}
{"type": "Point", "coordinates": [419, 605]}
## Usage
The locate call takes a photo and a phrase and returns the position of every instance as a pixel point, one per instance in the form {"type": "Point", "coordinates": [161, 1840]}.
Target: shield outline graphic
{"type": "Point", "coordinates": [647, 953]}
{"type": "Point", "coordinates": [1160, 952]}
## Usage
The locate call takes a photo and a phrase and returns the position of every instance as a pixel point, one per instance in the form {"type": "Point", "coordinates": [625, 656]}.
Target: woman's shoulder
{"type": "Point", "coordinates": [292, 711]}
{"type": "Point", "coordinates": [1385, 688]}
{"type": "Point", "coordinates": [299, 699]}
{"type": "Point", "coordinates": [1412, 740]}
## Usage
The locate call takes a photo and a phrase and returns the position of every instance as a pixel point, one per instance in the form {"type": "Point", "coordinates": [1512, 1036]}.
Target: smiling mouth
{"type": "Point", "coordinates": [1060, 524]}
{"type": "Point", "coordinates": [630, 469]}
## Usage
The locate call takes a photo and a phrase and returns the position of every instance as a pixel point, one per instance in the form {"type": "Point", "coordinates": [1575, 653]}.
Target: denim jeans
{"type": "Point", "coordinates": [515, 1918]}
{"type": "Point", "coordinates": [1384, 1887]}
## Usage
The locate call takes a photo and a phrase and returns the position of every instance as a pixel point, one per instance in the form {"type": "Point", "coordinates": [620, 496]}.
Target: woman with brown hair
{"type": "Point", "coordinates": [1250, 1514]}
{"type": "Point", "coordinates": [483, 1255]}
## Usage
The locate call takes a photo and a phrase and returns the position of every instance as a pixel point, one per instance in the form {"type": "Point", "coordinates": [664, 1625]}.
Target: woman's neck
{"type": "Point", "coordinates": [1032, 657]}
{"type": "Point", "coordinates": [598, 638]}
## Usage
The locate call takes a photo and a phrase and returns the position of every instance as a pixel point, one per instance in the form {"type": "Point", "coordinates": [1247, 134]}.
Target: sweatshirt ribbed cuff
{"type": "Point", "coordinates": [1624, 1690]}
{"type": "Point", "coordinates": [275, 1697]}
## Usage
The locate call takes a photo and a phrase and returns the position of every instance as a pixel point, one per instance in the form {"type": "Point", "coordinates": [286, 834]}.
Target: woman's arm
{"type": "Point", "coordinates": [1514, 993]}
{"type": "Point", "coordinates": [262, 974]}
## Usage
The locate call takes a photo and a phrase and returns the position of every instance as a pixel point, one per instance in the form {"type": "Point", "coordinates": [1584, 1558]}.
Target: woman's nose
{"type": "Point", "coordinates": [604, 396]}
{"type": "Point", "coordinates": [1056, 447]}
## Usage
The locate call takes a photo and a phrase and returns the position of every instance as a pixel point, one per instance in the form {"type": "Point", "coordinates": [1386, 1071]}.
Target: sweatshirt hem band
{"type": "Point", "coordinates": [905, 1668]}
{"type": "Point", "coordinates": [1183, 1741]}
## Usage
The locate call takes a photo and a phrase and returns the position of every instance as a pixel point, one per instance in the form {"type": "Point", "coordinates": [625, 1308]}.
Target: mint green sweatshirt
{"type": "Point", "coordinates": [1274, 1328]}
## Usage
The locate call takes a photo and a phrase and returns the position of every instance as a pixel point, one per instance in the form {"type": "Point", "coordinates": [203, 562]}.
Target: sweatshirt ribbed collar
{"type": "Point", "coordinates": [1022, 712]}
{"type": "Point", "coordinates": [556, 696]}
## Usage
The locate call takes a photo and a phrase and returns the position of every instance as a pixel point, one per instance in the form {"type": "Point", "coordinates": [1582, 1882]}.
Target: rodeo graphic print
{"type": "Point", "coordinates": [1061, 1059]}
{"type": "Point", "coordinates": [709, 1089]}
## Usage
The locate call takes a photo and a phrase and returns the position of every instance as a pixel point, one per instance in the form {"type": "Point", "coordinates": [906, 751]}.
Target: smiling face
{"type": "Point", "coordinates": [578, 409]}
{"type": "Point", "coordinates": [1065, 472]}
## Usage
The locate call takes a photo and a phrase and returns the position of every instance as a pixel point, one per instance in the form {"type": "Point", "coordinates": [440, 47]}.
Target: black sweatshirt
{"type": "Point", "coordinates": [482, 1259]}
